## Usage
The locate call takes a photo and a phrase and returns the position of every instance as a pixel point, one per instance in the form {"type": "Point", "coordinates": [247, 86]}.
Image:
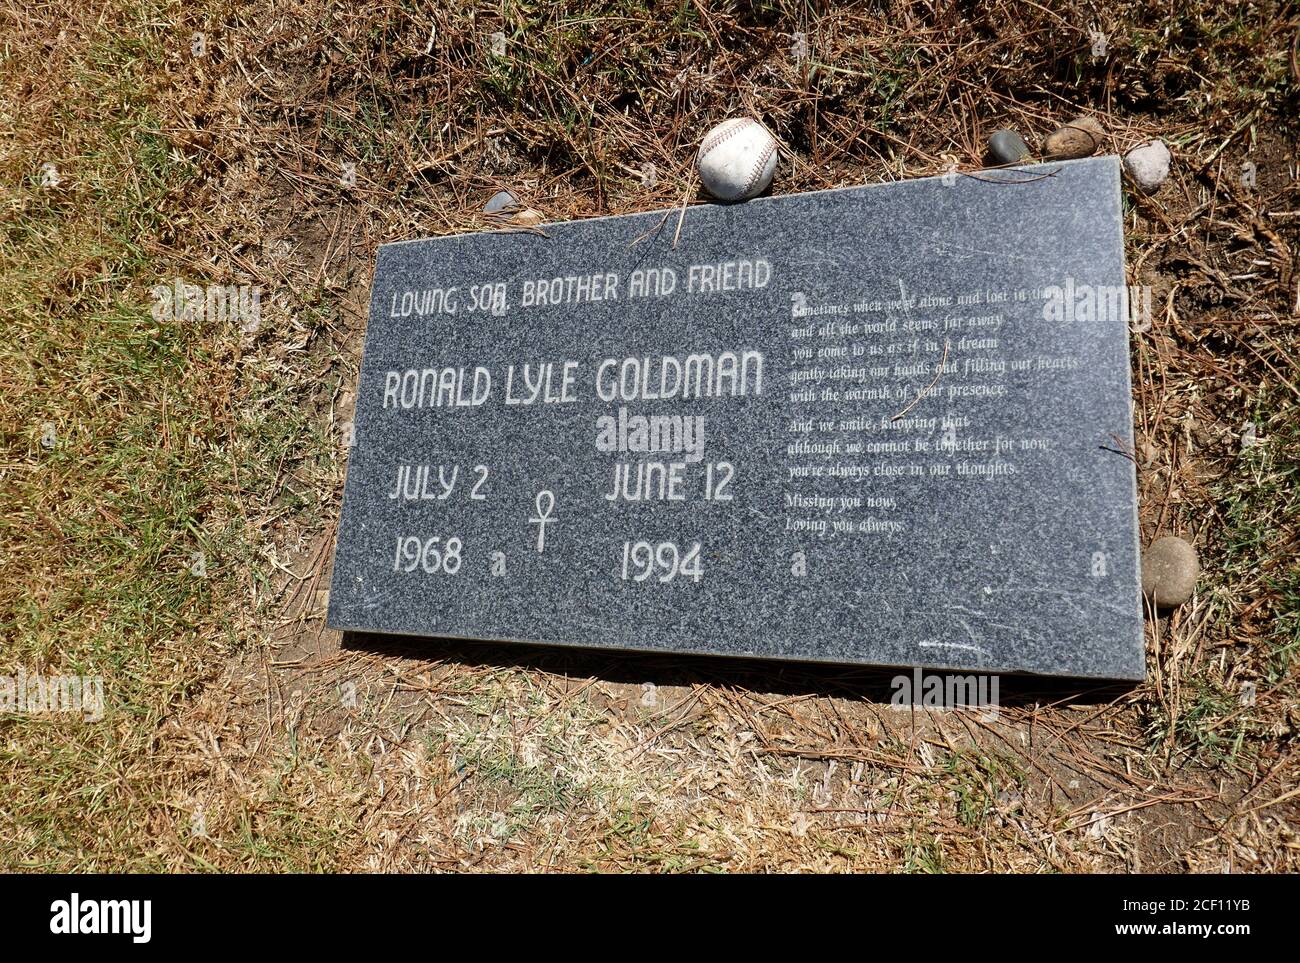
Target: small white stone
{"type": "Point", "coordinates": [1148, 165]}
{"type": "Point", "coordinates": [502, 203]}
{"type": "Point", "coordinates": [737, 159]}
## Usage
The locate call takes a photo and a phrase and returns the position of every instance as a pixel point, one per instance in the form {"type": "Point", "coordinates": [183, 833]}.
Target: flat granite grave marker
{"type": "Point", "coordinates": [885, 425]}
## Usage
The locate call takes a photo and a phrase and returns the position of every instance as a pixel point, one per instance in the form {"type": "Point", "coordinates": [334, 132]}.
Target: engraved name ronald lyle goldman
{"type": "Point", "coordinates": [692, 377]}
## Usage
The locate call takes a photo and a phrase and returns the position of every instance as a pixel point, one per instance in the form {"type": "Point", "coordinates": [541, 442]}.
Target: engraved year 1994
{"type": "Point", "coordinates": [665, 561]}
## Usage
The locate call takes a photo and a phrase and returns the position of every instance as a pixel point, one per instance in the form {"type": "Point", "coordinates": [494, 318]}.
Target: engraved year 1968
{"type": "Point", "coordinates": [431, 555]}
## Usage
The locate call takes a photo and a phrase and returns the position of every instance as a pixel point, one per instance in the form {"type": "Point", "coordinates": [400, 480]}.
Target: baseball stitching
{"type": "Point", "coordinates": [758, 169]}
{"type": "Point", "coordinates": [740, 124]}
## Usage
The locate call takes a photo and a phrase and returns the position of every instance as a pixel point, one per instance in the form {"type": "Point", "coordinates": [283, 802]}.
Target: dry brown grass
{"type": "Point", "coordinates": [300, 751]}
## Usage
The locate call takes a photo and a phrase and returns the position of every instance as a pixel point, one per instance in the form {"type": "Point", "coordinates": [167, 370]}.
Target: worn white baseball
{"type": "Point", "coordinates": [736, 159]}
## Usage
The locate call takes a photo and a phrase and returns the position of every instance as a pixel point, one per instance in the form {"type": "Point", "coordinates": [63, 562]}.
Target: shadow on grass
{"type": "Point", "coordinates": [752, 674]}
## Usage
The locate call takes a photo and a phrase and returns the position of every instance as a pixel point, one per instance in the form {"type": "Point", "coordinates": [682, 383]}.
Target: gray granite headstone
{"type": "Point", "coordinates": [886, 425]}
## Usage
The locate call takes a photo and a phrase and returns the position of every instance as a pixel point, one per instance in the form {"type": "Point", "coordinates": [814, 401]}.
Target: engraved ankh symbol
{"type": "Point", "coordinates": [545, 504]}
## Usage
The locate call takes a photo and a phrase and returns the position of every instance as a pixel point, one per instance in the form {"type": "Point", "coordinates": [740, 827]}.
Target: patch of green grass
{"type": "Point", "coordinates": [635, 841]}
{"type": "Point", "coordinates": [124, 539]}
{"type": "Point", "coordinates": [922, 853]}
{"type": "Point", "coordinates": [1255, 566]}
{"type": "Point", "coordinates": [979, 778]}
{"type": "Point", "coordinates": [284, 835]}
{"type": "Point", "coordinates": [523, 760]}
{"type": "Point", "coordinates": [1285, 641]}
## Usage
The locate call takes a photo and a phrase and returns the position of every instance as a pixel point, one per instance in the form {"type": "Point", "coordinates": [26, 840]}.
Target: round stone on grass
{"type": "Point", "coordinates": [1169, 571]}
{"type": "Point", "coordinates": [1081, 137]}
{"type": "Point", "coordinates": [1006, 146]}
